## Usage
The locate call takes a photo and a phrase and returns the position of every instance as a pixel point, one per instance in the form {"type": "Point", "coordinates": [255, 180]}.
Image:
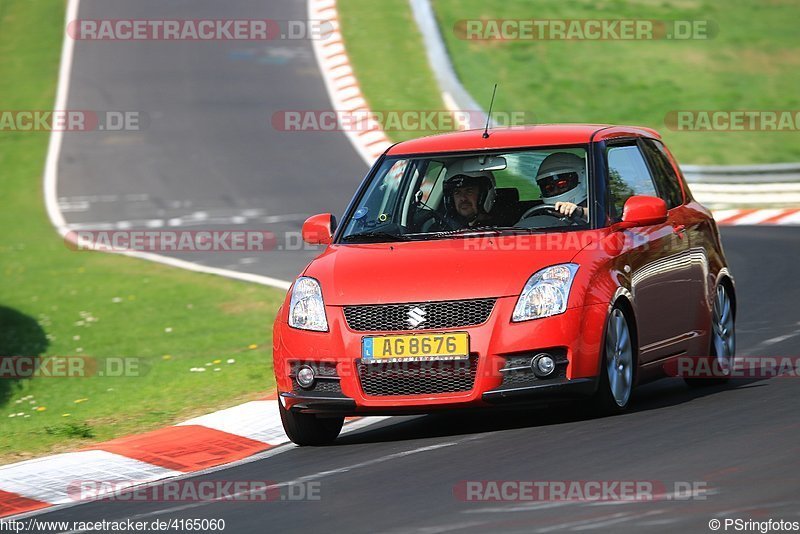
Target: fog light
{"type": "Point", "coordinates": [543, 365]}
{"type": "Point", "coordinates": [305, 376]}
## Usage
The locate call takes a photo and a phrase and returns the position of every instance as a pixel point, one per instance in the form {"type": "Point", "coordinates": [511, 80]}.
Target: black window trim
{"type": "Point", "coordinates": [641, 141]}
{"type": "Point", "coordinates": [623, 142]}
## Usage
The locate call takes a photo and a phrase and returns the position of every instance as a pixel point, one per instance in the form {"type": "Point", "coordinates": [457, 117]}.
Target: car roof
{"type": "Point", "coordinates": [518, 137]}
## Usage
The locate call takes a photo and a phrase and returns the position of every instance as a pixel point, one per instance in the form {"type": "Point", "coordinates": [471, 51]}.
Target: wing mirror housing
{"type": "Point", "coordinates": [318, 229]}
{"type": "Point", "coordinates": [642, 210]}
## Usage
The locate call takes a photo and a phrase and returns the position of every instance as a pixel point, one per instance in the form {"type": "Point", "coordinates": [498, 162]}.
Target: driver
{"type": "Point", "coordinates": [562, 180]}
{"type": "Point", "coordinates": [469, 199]}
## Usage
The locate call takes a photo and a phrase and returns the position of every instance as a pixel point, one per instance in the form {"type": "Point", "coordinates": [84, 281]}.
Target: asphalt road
{"type": "Point", "coordinates": [739, 444]}
{"type": "Point", "coordinates": [206, 155]}
{"type": "Point", "coordinates": [209, 155]}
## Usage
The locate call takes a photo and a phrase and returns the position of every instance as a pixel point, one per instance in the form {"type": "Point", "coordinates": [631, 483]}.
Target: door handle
{"type": "Point", "coordinates": [679, 229]}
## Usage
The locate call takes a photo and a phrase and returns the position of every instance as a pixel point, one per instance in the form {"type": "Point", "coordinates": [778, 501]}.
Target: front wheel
{"type": "Point", "coordinates": [309, 429]}
{"type": "Point", "coordinates": [616, 371]}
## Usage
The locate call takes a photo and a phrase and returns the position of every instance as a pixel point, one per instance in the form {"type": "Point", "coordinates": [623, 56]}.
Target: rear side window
{"type": "Point", "coordinates": [628, 175]}
{"type": "Point", "coordinates": [664, 173]}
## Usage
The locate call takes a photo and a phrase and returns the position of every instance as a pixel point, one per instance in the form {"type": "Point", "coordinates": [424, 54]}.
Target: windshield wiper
{"type": "Point", "coordinates": [486, 230]}
{"type": "Point", "coordinates": [380, 236]}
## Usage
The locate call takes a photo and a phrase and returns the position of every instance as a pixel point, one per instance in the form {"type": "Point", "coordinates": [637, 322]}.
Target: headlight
{"type": "Point", "coordinates": [306, 309]}
{"type": "Point", "coordinates": [546, 293]}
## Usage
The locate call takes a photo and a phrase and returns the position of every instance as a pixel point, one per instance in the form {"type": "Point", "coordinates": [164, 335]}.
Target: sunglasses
{"type": "Point", "coordinates": [558, 183]}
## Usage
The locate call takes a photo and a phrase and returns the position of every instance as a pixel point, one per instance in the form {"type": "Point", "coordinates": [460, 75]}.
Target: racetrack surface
{"type": "Point", "coordinates": [740, 440]}
{"type": "Point", "coordinates": [206, 155]}
{"type": "Point", "coordinates": [209, 148]}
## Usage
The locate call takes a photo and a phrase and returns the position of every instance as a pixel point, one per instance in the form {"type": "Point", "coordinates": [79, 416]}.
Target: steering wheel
{"type": "Point", "coordinates": [445, 221]}
{"type": "Point", "coordinates": [546, 209]}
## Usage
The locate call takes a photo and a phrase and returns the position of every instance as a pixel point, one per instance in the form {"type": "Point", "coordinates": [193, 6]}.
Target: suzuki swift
{"type": "Point", "coordinates": [473, 270]}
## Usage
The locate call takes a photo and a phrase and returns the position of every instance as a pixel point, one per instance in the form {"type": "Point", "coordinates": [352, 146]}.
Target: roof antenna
{"type": "Point", "coordinates": [489, 115]}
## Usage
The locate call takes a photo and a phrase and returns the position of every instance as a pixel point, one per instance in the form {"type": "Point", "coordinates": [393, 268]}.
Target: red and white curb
{"type": "Point", "coordinates": [343, 88]}
{"type": "Point", "coordinates": [747, 217]}
{"type": "Point", "coordinates": [195, 445]}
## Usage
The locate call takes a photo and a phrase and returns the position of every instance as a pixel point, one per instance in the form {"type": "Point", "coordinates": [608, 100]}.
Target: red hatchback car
{"type": "Point", "coordinates": [543, 262]}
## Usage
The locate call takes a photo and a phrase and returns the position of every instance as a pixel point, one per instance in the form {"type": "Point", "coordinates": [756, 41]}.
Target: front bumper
{"type": "Point", "coordinates": [495, 345]}
{"type": "Point", "coordinates": [309, 402]}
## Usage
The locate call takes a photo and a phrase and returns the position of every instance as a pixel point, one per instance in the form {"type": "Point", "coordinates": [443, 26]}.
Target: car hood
{"type": "Point", "coordinates": [447, 269]}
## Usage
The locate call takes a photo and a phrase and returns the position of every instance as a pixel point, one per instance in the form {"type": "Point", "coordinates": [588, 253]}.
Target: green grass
{"type": "Point", "coordinates": [751, 64]}
{"type": "Point", "coordinates": [388, 59]}
{"type": "Point", "coordinates": [57, 302]}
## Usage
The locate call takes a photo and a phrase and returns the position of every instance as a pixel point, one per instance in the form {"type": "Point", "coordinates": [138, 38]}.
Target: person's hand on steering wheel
{"type": "Point", "coordinates": [569, 209]}
{"type": "Point", "coordinates": [551, 211]}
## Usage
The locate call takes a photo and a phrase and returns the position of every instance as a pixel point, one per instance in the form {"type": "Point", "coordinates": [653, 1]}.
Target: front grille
{"type": "Point", "coordinates": [417, 378]}
{"type": "Point", "coordinates": [398, 317]}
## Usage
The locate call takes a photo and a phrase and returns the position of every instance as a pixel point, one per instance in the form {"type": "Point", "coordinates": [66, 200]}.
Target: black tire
{"type": "Point", "coordinates": [724, 295]}
{"type": "Point", "coordinates": [604, 402]}
{"type": "Point", "coordinates": [309, 429]}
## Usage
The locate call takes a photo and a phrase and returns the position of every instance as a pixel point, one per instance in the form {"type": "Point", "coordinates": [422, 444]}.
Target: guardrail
{"type": "Point", "coordinates": [740, 186]}
{"type": "Point", "coordinates": [745, 185]}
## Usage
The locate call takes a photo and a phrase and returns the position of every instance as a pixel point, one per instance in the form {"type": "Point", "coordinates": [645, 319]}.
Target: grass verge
{"type": "Point", "coordinates": [111, 310]}
{"type": "Point", "coordinates": [750, 64]}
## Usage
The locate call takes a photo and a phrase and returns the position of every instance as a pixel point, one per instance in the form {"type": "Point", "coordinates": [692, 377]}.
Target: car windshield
{"type": "Point", "coordinates": [438, 197]}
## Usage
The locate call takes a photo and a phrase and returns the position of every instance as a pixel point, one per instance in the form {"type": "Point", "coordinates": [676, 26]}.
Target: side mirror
{"type": "Point", "coordinates": [318, 229]}
{"type": "Point", "coordinates": [643, 210]}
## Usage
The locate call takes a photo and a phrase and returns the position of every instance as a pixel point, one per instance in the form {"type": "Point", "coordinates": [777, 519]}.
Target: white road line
{"type": "Point", "coordinates": [778, 339]}
{"type": "Point", "coordinates": [674, 496]}
{"type": "Point", "coordinates": [56, 136]}
{"type": "Point", "coordinates": [615, 518]}
{"type": "Point", "coordinates": [75, 206]}
{"type": "Point", "coordinates": [603, 524]}
{"type": "Point", "coordinates": [526, 507]}
{"type": "Point", "coordinates": [772, 506]}
{"type": "Point", "coordinates": [657, 522]}
{"type": "Point", "coordinates": [773, 341]}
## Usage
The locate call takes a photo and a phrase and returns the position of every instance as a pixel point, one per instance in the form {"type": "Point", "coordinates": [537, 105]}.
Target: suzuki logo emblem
{"type": "Point", "coordinates": [416, 316]}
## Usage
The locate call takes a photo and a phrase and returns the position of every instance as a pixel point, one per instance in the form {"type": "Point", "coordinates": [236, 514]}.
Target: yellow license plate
{"type": "Point", "coordinates": [416, 347]}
